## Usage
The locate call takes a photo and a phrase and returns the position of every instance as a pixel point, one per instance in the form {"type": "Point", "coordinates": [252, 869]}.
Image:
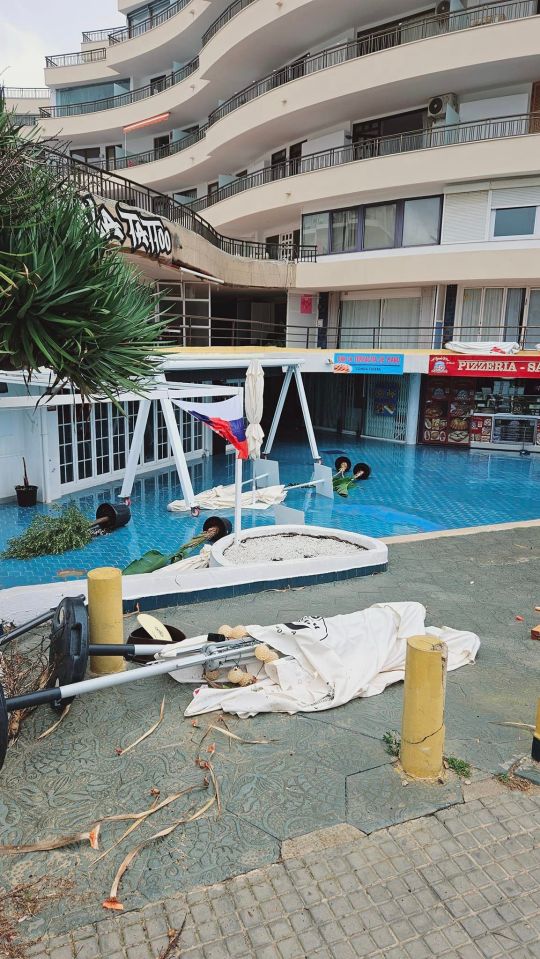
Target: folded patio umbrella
{"type": "Point", "coordinates": [222, 497]}
{"type": "Point", "coordinates": [253, 400]}
{"type": "Point", "coordinates": [327, 661]}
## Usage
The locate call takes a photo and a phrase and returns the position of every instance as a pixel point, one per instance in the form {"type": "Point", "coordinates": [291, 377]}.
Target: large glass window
{"type": "Point", "coordinates": [344, 231]}
{"type": "Point", "coordinates": [516, 221]}
{"type": "Point", "coordinates": [379, 226]}
{"type": "Point", "coordinates": [421, 221]}
{"type": "Point", "coordinates": [91, 92]}
{"type": "Point", "coordinates": [315, 231]}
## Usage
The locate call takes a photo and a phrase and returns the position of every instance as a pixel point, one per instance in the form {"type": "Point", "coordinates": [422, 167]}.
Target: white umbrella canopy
{"type": "Point", "coordinates": [254, 394]}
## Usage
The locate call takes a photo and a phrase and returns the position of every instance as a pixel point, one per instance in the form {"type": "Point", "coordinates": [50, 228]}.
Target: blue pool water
{"type": "Point", "coordinates": [411, 489]}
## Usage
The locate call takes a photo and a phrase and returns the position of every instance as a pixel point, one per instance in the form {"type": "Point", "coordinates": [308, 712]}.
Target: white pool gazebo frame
{"type": "Point", "coordinates": [166, 393]}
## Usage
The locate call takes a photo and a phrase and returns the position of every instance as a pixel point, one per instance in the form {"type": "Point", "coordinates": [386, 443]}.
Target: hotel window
{"type": "Point", "coordinates": [315, 231]}
{"type": "Point", "coordinates": [491, 313]}
{"type": "Point", "coordinates": [421, 221]}
{"type": "Point", "coordinates": [344, 231]}
{"type": "Point", "coordinates": [515, 221]}
{"type": "Point", "coordinates": [380, 226]}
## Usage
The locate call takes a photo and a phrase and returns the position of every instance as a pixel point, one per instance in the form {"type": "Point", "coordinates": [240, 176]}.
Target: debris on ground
{"type": "Point", "coordinates": [23, 902]}
{"type": "Point", "coordinates": [512, 781]}
{"type": "Point", "coordinates": [122, 752]}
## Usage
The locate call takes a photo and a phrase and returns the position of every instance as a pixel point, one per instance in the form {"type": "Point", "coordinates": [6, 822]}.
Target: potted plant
{"type": "Point", "coordinates": [26, 494]}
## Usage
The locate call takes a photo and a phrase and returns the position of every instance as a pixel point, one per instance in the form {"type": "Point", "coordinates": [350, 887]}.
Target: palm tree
{"type": "Point", "coordinates": [69, 302]}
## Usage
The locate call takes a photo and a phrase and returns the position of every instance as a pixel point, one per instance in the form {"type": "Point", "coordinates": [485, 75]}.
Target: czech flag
{"type": "Point", "coordinates": [226, 418]}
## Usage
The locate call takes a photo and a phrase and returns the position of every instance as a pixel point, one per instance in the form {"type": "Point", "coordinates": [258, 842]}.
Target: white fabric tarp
{"type": "Point", "coordinates": [326, 662]}
{"type": "Point", "coordinates": [483, 349]}
{"type": "Point", "coordinates": [222, 497]}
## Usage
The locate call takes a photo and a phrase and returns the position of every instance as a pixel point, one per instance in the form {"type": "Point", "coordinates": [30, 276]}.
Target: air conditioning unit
{"type": "Point", "coordinates": [437, 106]}
{"type": "Point", "coordinates": [443, 8]}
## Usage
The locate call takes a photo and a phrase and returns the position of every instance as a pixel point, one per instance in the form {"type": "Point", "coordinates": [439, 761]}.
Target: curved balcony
{"type": "Point", "coordinates": [74, 59]}
{"type": "Point", "coordinates": [122, 99]}
{"type": "Point", "coordinates": [346, 87]}
{"type": "Point", "coordinates": [375, 43]}
{"type": "Point", "coordinates": [232, 11]}
{"type": "Point", "coordinates": [269, 184]}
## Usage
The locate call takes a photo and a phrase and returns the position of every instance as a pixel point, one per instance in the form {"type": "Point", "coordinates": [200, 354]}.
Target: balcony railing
{"type": "Point", "coordinates": [375, 43]}
{"type": "Point", "coordinates": [158, 153]}
{"type": "Point", "coordinates": [25, 119]}
{"type": "Point", "coordinates": [26, 93]}
{"type": "Point", "coordinates": [138, 29]}
{"type": "Point", "coordinates": [122, 99]}
{"type": "Point", "coordinates": [472, 132]}
{"type": "Point", "coordinates": [74, 59]}
{"type": "Point", "coordinates": [224, 331]}
{"type": "Point", "coordinates": [97, 36]}
{"type": "Point", "coordinates": [232, 10]}
{"type": "Point", "coordinates": [100, 183]}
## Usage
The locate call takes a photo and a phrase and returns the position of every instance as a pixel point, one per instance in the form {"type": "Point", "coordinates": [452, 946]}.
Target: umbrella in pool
{"type": "Point", "coordinates": [254, 392]}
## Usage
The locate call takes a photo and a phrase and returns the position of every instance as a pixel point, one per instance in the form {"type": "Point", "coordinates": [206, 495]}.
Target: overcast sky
{"type": "Point", "coordinates": [30, 29]}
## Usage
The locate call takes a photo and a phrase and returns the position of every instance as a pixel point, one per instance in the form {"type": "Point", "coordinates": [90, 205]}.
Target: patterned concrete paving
{"type": "Point", "coordinates": [460, 884]}
{"type": "Point", "coordinates": [317, 772]}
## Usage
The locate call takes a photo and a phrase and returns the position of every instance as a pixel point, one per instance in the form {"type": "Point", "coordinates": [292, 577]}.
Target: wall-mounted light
{"type": "Point", "coordinates": [140, 124]}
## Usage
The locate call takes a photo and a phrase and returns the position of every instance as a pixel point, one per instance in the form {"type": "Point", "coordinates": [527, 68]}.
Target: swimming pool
{"type": "Point", "coordinates": [411, 489]}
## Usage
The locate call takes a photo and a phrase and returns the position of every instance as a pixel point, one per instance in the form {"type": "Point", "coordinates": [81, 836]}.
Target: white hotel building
{"type": "Point", "coordinates": [371, 172]}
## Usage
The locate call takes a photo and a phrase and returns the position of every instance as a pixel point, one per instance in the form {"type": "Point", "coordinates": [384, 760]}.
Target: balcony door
{"type": "Point", "coordinates": [386, 323]}
{"type": "Point", "coordinates": [403, 131]}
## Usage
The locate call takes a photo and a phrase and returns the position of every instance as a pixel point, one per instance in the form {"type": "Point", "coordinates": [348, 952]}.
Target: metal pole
{"type": "Point", "coordinates": [131, 675]}
{"type": "Point", "coordinates": [306, 414]}
{"type": "Point", "coordinates": [135, 448]}
{"type": "Point", "coordinates": [237, 500]}
{"type": "Point", "coordinates": [279, 409]}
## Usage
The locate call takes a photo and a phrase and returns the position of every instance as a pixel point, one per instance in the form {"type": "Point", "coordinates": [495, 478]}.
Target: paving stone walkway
{"type": "Point", "coordinates": [326, 774]}
{"type": "Point", "coordinates": [463, 883]}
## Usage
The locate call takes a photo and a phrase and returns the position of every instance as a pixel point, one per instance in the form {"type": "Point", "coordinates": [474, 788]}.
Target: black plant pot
{"type": "Point", "coordinates": [26, 495]}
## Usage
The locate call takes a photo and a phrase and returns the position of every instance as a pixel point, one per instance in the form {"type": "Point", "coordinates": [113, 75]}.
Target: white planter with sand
{"type": "Point", "coordinates": [298, 550]}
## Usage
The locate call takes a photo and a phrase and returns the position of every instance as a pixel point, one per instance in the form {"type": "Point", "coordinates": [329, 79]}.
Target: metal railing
{"type": "Point", "coordinates": [73, 59]}
{"type": "Point", "coordinates": [100, 183]}
{"type": "Point", "coordinates": [25, 119]}
{"type": "Point", "coordinates": [224, 331]}
{"type": "Point", "coordinates": [122, 99]}
{"type": "Point", "coordinates": [158, 153]}
{"type": "Point", "coordinates": [451, 135]}
{"type": "Point", "coordinates": [375, 43]}
{"type": "Point", "coordinates": [232, 10]}
{"type": "Point", "coordinates": [96, 36]}
{"type": "Point", "coordinates": [26, 93]}
{"type": "Point", "coordinates": [138, 29]}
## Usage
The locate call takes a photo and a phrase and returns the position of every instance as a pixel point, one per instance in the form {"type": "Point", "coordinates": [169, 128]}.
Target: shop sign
{"type": "Point", "coordinates": [509, 367]}
{"type": "Point", "coordinates": [140, 231]}
{"type": "Point", "coordinates": [369, 363]}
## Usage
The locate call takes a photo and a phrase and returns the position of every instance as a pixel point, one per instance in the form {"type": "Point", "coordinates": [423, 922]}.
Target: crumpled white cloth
{"type": "Point", "coordinates": [483, 349]}
{"type": "Point", "coordinates": [222, 497]}
{"type": "Point", "coordinates": [329, 661]}
{"type": "Point", "coordinates": [199, 561]}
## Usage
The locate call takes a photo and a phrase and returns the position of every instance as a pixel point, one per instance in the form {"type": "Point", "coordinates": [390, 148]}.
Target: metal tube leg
{"type": "Point", "coordinates": [307, 415]}
{"type": "Point", "coordinates": [135, 448]}
{"type": "Point", "coordinates": [178, 450]}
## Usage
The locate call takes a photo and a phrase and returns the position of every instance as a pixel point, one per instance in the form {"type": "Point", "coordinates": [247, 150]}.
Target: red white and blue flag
{"type": "Point", "coordinates": [226, 418]}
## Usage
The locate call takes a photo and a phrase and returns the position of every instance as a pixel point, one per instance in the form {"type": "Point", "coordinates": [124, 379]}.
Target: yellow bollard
{"type": "Point", "coordinates": [535, 751]}
{"type": "Point", "coordinates": [105, 616]}
{"type": "Point", "coordinates": [422, 728]}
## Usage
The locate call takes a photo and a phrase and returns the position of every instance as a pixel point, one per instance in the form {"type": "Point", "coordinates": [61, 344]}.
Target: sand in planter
{"type": "Point", "coordinates": [286, 546]}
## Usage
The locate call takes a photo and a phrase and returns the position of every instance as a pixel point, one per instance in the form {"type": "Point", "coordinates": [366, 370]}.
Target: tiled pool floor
{"type": "Point", "coordinates": [411, 489]}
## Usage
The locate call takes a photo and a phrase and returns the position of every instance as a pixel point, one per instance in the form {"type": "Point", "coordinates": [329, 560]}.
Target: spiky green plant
{"type": "Point", "coordinates": [68, 301]}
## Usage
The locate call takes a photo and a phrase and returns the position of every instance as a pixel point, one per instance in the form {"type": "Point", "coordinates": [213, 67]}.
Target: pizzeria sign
{"type": "Point", "coordinates": [507, 367]}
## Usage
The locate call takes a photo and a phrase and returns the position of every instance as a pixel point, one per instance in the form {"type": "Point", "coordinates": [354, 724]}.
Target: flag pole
{"type": "Point", "coordinates": [237, 500]}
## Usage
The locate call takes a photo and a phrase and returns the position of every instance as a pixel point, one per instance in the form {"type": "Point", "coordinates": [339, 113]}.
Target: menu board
{"type": "Point", "coordinates": [480, 429]}
{"type": "Point", "coordinates": [447, 409]}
